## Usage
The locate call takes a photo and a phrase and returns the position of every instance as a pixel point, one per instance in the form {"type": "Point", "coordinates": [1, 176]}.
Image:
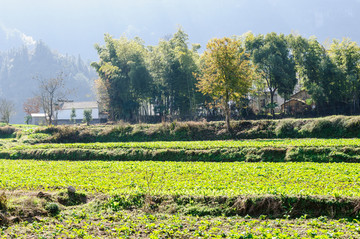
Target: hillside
{"type": "Point", "coordinates": [20, 66]}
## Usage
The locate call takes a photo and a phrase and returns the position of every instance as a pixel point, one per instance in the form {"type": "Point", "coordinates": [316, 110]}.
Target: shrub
{"type": "Point", "coordinates": [352, 127]}
{"type": "Point", "coordinates": [47, 130]}
{"type": "Point", "coordinates": [181, 131]}
{"type": "Point", "coordinates": [116, 132]}
{"type": "Point", "coordinates": [65, 134]}
{"type": "Point", "coordinates": [323, 128]}
{"type": "Point", "coordinates": [286, 129]}
{"type": "Point", "coordinates": [52, 208]}
{"type": "Point", "coordinates": [87, 116]}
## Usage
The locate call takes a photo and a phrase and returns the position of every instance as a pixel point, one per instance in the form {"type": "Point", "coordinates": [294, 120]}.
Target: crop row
{"type": "Point", "coordinates": [182, 178]}
{"type": "Point", "coordinates": [201, 145]}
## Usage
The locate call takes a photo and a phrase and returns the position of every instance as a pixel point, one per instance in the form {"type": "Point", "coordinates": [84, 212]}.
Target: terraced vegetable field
{"type": "Point", "coordinates": [184, 180]}
{"type": "Point", "coordinates": [181, 178]}
{"type": "Point", "coordinates": [183, 189]}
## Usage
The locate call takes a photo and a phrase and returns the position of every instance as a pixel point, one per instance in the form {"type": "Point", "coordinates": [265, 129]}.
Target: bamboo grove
{"type": "Point", "coordinates": [172, 80]}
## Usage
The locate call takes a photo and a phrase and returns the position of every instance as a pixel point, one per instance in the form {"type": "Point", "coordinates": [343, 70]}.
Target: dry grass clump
{"type": "Point", "coordinates": [7, 131]}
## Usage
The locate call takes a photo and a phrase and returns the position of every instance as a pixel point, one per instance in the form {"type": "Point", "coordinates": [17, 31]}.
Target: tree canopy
{"type": "Point", "coordinates": [124, 75]}
{"type": "Point", "coordinates": [275, 63]}
{"type": "Point", "coordinates": [173, 80]}
{"type": "Point", "coordinates": [226, 73]}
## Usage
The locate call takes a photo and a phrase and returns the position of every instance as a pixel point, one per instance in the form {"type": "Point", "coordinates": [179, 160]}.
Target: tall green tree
{"type": "Point", "coordinates": [320, 74]}
{"type": "Point", "coordinates": [172, 64]}
{"type": "Point", "coordinates": [275, 63]}
{"type": "Point", "coordinates": [124, 74]}
{"type": "Point", "coordinates": [346, 56]}
{"type": "Point", "coordinates": [226, 73]}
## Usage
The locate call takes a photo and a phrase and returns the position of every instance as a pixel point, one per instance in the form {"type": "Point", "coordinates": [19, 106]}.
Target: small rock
{"type": "Point", "coordinates": [71, 189]}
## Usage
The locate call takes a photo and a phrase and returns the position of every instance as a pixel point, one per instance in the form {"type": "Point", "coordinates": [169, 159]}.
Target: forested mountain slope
{"type": "Point", "coordinates": [19, 68]}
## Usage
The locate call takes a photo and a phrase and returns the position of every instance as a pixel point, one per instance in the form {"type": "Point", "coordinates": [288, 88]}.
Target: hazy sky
{"type": "Point", "coordinates": [74, 26]}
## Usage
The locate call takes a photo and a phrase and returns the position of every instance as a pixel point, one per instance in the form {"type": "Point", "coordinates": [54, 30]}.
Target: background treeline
{"type": "Point", "coordinates": [152, 83]}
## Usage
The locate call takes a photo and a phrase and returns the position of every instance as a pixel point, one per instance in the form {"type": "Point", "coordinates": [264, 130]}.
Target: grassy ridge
{"type": "Point", "coordinates": [327, 127]}
{"type": "Point", "coordinates": [284, 150]}
{"type": "Point", "coordinates": [202, 145]}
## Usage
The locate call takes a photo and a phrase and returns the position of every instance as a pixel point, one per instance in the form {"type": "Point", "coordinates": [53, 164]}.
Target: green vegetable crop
{"type": "Point", "coordinates": [184, 178]}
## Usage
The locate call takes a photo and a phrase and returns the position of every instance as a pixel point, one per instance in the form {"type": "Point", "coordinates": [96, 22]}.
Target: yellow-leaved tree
{"type": "Point", "coordinates": [226, 73]}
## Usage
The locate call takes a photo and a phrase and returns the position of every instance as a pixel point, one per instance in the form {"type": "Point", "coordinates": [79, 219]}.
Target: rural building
{"type": "Point", "coordinates": [63, 114]}
{"type": "Point", "coordinates": [259, 103]}
{"type": "Point", "coordinates": [301, 95]}
{"type": "Point", "coordinates": [297, 103]}
{"type": "Point", "coordinates": [38, 119]}
{"type": "Point", "coordinates": [295, 106]}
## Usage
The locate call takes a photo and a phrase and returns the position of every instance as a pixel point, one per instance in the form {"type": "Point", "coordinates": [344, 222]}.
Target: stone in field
{"type": "Point", "coordinates": [71, 189]}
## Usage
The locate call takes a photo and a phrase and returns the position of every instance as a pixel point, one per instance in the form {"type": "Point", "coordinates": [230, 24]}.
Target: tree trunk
{"type": "Point", "coordinates": [227, 114]}
{"type": "Point", "coordinates": [51, 111]}
{"type": "Point", "coordinates": [272, 92]}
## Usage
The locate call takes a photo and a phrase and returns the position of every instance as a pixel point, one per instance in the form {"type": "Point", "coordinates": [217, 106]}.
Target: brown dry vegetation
{"type": "Point", "coordinates": [327, 127]}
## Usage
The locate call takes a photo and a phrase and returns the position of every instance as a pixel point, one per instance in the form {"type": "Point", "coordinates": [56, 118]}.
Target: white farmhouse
{"type": "Point", "coordinates": [63, 114]}
{"type": "Point", "coordinates": [38, 119]}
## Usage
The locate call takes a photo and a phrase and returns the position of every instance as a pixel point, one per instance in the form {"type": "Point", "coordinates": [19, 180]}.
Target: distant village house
{"type": "Point", "coordinates": [63, 113]}
{"type": "Point", "coordinates": [259, 103]}
{"type": "Point", "coordinates": [38, 119]}
{"type": "Point", "coordinates": [297, 104]}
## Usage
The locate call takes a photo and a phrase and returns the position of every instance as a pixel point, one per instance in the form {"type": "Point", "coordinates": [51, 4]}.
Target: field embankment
{"type": "Point", "coordinates": [327, 127]}
{"type": "Point", "coordinates": [275, 150]}
{"type": "Point", "coordinates": [111, 219]}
